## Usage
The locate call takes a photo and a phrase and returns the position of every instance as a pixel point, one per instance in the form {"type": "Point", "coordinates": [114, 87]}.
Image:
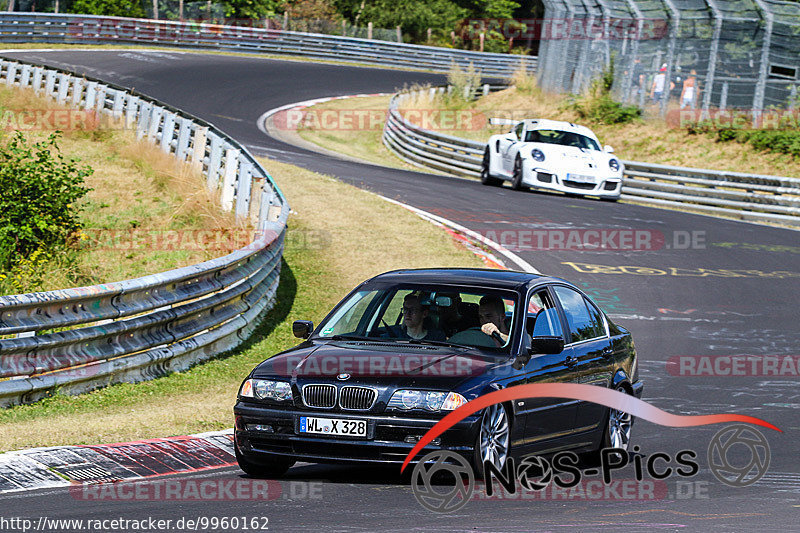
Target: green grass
{"type": "Point", "coordinates": [326, 255]}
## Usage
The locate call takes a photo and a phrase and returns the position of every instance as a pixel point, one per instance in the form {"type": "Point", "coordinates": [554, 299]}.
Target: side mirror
{"type": "Point", "coordinates": [547, 345]}
{"type": "Point", "coordinates": [302, 328]}
{"type": "Point", "coordinates": [608, 149]}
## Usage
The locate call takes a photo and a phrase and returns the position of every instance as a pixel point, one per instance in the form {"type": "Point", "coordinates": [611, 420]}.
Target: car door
{"type": "Point", "coordinates": [507, 151]}
{"type": "Point", "coordinates": [591, 348]}
{"type": "Point", "coordinates": [546, 418]}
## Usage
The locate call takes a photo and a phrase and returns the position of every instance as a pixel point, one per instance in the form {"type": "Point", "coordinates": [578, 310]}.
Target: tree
{"type": "Point", "coordinates": [111, 8]}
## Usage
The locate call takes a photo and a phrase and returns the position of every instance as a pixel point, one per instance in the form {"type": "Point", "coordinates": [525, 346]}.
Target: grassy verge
{"type": "Point", "coordinates": [326, 255]}
{"type": "Point", "coordinates": [352, 126]}
{"type": "Point", "coordinates": [137, 191]}
{"type": "Point", "coordinates": [651, 140]}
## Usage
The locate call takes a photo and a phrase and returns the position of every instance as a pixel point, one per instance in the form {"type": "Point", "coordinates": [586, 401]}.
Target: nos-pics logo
{"type": "Point", "coordinates": [444, 481]}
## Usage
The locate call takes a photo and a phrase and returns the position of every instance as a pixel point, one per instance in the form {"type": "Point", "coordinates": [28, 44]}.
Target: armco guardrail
{"type": "Point", "coordinates": [146, 327]}
{"type": "Point", "coordinates": [88, 29]}
{"type": "Point", "coordinates": [751, 197]}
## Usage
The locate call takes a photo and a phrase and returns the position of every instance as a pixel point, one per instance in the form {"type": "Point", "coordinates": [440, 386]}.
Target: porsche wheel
{"type": "Point", "coordinates": [516, 182]}
{"type": "Point", "coordinates": [487, 178]}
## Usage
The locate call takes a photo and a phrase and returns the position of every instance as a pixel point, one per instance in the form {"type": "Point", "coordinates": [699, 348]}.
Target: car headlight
{"type": "Point", "coordinates": [405, 400]}
{"type": "Point", "coordinates": [266, 389]}
{"type": "Point", "coordinates": [537, 155]}
{"type": "Point", "coordinates": [613, 164]}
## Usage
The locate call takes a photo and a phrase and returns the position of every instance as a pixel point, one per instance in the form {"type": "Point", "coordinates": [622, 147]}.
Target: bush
{"type": "Point", "coordinates": [459, 80]}
{"type": "Point", "coordinates": [598, 106]}
{"type": "Point", "coordinates": [39, 209]}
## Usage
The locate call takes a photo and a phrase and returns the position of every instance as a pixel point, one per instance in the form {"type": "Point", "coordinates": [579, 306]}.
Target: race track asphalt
{"type": "Point", "coordinates": [677, 301]}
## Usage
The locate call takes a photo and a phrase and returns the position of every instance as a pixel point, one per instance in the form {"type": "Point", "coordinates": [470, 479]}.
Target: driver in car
{"type": "Point", "coordinates": [492, 312]}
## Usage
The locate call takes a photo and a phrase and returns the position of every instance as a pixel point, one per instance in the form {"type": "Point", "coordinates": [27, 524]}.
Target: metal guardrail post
{"type": "Point", "coordinates": [243, 189]}
{"type": "Point", "coordinates": [12, 74]}
{"type": "Point", "coordinates": [184, 131]}
{"type": "Point", "coordinates": [167, 131]}
{"type": "Point", "coordinates": [229, 178]}
{"type": "Point", "coordinates": [199, 148]}
{"type": "Point", "coordinates": [63, 88]}
{"type": "Point", "coordinates": [214, 162]}
{"type": "Point", "coordinates": [91, 95]}
{"type": "Point", "coordinates": [77, 90]}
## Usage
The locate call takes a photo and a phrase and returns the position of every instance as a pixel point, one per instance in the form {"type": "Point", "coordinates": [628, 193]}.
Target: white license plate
{"type": "Point", "coordinates": [333, 426]}
{"type": "Point", "coordinates": [580, 178]}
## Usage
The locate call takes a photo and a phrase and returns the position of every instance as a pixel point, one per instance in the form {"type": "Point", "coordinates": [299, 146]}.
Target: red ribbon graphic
{"type": "Point", "coordinates": [573, 391]}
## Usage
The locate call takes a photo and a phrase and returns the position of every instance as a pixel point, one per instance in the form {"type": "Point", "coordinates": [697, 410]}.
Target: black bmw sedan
{"type": "Point", "coordinates": [406, 347]}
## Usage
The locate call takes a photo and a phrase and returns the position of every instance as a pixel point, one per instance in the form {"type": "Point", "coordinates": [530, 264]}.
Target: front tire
{"type": "Point", "coordinates": [619, 426]}
{"type": "Point", "coordinates": [494, 439]}
{"type": "Point", "coordinates": [516, 182]}
{"type": "Point", "coordinates": [274, 468]}
{"type": "Point", "coordinates": [486, 177]}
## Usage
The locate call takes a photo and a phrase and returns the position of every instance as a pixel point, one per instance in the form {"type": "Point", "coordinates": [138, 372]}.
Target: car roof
{"type": "Point", "coordinates": [547, 124]}
{"type": "Point", "coordinates": [484, 277]}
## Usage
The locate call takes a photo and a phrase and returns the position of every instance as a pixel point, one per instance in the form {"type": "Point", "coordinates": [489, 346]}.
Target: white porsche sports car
{"type": "Point", "coordinates": [552, 155]}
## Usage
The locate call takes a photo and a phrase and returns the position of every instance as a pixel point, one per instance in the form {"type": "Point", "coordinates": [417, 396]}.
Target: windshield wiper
{"type": "Point", "coordinates": [437, 343]}
{"type": "Point", "coordinates": [352, 338]}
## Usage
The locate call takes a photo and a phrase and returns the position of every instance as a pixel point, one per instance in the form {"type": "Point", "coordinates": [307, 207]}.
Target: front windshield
{"type": "Point", "coordinates": [442, 315]}
{"type": "Point", "coordinates": [564, 138]}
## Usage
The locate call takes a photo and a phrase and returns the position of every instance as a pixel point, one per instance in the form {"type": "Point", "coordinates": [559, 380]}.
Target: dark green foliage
{"type": "Point", "coordinates": [599, 107]}
{"type": "Point", "coordinates": [39, 209]}
{"type": "Point", "coordinates": [111, 8]}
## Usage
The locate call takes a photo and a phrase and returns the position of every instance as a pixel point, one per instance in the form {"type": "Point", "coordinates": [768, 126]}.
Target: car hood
{"type": "Point", "coordinates": [572, 159]}
{"type": "Point", "coordinates": [379, 363]}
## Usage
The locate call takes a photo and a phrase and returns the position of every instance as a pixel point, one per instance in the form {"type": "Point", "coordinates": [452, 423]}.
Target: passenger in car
{"type": "Point", "coordinates": [492, 312]}
{"type": "Point", "coordinates": [414, 315]}
{"type": "Point", "coordinates": [453, 318]}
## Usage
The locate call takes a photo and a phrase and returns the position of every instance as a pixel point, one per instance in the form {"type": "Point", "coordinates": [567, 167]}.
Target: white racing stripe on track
{"type": "Point", "coordinates": [524, 265]}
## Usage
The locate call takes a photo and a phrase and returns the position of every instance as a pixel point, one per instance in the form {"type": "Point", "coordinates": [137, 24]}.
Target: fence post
{"type": "Point", "coordinates": [214, 162]}
{"type": "Point", "coordinates": [229, 178]}
{"type": "Point", "coordinates": [63, 88]}
{"type": "Point", "coordinates": [154, 122]}
{"type": "Point", "coordinates": [37, 79]}
{"type": "Point", "coordinates": [11, 73]}
{"type": "Point", "coordinates": [25, 77]}
{"type": "Point", "coordinates": [182, 148]}
{"type": "Point", "coordinates": [77, 90]}
{"type": "Point", "coordinates": [50, 83]}
{"type": "Point", "coordinates": [761, 85]}
{"type": "Point", "coordinates": [369, 30]}
{"type": "Point", "coordinates": [167, 131]}
{"type": "Point", "coordinates": [675, 23]}
{"type": "Point", "coordinates": [485, 89]}
{"type": "Point", "coordinates": [723, 98]}
{"type": "Point", "coordinates": [243, 187]}
{"type": "Point", "coordinates": [119, 103]}
{"type": "Point", "coordinates": [199, 148]}
{"type": "Point", "coordinates": [144, 119]}
{"type": "Point", "coordinates": [712, 56]}
{"type": "Point", "coordinates": [131, 109]}
{"type": "Point", "coordinates": [91, 93]}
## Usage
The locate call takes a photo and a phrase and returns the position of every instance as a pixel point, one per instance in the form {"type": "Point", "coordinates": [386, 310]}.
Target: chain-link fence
{"type": "Point", "coordinates": [689, 54]}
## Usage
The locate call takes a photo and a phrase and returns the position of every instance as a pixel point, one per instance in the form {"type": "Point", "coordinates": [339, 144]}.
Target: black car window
{"type": "Point", "coordinates": [564, 138]}
{"type": "Point", "coordinates": [597, 317]}
{"type": "Point", "coordinates": [542, 318]}
{"type": "Point", "coordinates": [449, 314]}
{"type": "Point", "coordinates": [582, 325]}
